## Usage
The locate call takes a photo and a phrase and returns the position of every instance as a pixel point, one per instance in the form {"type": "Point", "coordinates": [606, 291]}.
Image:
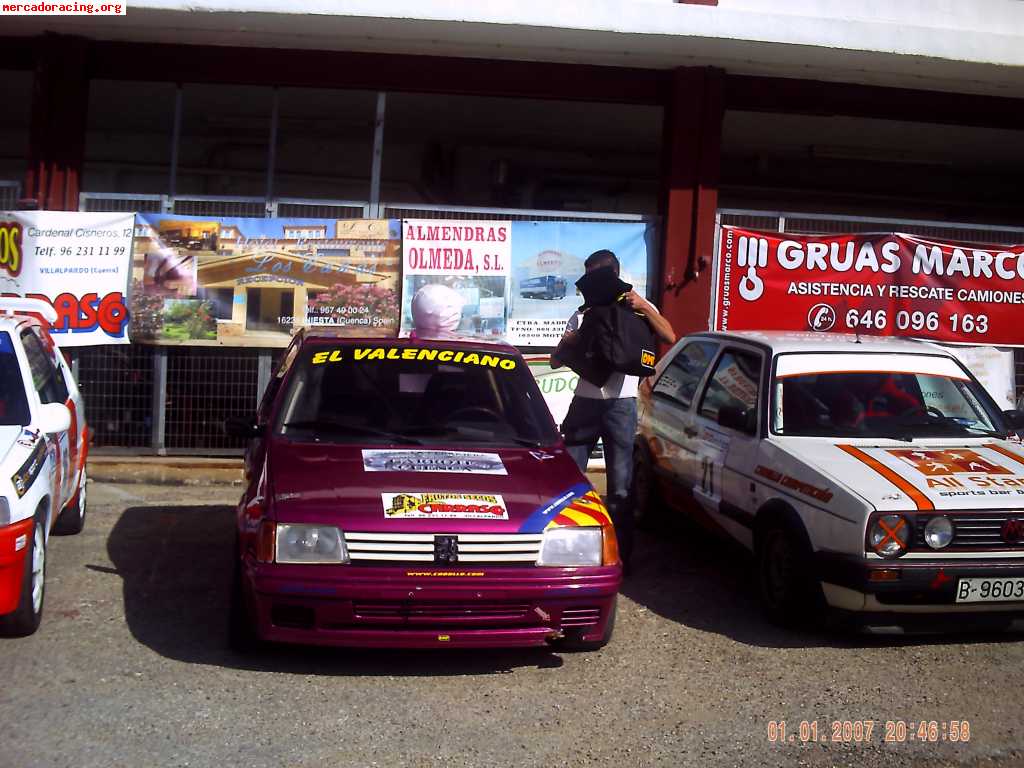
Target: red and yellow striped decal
{"type": "Point", "coordinates": [582, 511]}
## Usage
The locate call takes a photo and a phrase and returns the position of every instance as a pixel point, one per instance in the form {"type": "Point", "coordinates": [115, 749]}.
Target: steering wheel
{"type": "Point", "coordinates": [477, 409]}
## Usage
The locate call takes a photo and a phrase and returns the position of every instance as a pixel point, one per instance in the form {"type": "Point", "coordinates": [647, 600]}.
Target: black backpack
{"type": "Point", "coordinates": [613, 339]}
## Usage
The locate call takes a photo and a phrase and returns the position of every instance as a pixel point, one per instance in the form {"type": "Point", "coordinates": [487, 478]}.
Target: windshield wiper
{"type": "Point", "coordinates": [936, 420]}
{"type": "Point", "coordinates": [329, 425]}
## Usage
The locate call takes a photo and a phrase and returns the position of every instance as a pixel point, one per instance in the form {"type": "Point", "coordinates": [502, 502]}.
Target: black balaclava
{"type": "Point", "coordinates": [601, 287]}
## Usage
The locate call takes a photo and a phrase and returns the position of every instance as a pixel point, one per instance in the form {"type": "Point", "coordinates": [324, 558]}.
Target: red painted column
{"type": "Point", "coordinates": [60, 100]}
{"type": "Point", "coordinates": [691, 161]}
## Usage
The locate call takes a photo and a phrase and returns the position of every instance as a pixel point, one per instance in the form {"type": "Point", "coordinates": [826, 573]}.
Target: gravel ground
{"type": "Point", "coordinates": [130, 669]}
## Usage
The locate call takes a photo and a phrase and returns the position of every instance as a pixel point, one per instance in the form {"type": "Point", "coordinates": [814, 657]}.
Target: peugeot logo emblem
{"type": "Point", "coordinates": [446, 550]}
{"type": "Point", "coordinates": [1013, 531]}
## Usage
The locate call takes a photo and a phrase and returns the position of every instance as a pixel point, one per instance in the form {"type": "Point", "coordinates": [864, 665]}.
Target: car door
{"type": "Point", "coordinates": [727, 422]}
{"type": "Point", "coordinates": [669, 418]}
{"type": "Point", "coordinates": [49, 385]}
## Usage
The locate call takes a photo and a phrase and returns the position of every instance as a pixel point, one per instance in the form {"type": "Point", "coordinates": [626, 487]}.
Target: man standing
{"type": "Point", "coordinates": [608, 412]}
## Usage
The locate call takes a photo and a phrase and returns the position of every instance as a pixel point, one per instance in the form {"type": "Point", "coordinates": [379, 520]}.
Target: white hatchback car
{"type": "Point", "coordinates": [43, 447]}
{"type": "Point", "coordinates": [875, 476]}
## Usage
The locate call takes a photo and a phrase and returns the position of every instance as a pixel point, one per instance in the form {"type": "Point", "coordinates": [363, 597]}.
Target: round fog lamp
{"type": "Point", "coordinates": [938, 532]}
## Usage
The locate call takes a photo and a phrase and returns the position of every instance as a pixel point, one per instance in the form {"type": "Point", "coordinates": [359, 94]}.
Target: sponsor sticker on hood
{"type": "Point", "coordinates": [935, 476]}
{"type": "Point", "coordinates": [470, 462]}
{"type": "Point", "coordinates": [406, 505]}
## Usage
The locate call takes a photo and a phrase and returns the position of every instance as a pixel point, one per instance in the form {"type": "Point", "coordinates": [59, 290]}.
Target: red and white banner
{"type": "Point", "coordinates": [880, 284]}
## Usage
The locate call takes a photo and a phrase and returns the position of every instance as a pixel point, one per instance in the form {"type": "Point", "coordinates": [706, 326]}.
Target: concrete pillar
{"type": "Point", "coordinates": [691, 161]}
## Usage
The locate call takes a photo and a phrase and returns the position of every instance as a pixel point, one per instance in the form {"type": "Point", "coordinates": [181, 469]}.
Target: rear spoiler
{"type": "Point", "coordinates": [18, 306]}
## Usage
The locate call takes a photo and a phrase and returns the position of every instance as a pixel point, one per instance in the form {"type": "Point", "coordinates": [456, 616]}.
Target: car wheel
{"type": "Point", "coordinates": [26, 617]}
{"type": "Point", "coordinates": [242, 636]}
{"type": "Point", "coordinates": [72, 519]}
{"type": "Point", "coordinates": [790, 593]}
{"type": "Point", "coordinates": [576, 643]}
{"type": "Point", "coordinates": [648, 506]}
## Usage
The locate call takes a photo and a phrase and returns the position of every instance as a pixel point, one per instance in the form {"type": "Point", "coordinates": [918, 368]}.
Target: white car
{"type": "Point", "coordinates": [874, 476]}
{"type": "Point", "coordinates": [43, 447]}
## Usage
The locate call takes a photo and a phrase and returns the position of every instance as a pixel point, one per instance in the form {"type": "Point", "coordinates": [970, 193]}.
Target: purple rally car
{"type": "Point", "coordinates": [415, 493]}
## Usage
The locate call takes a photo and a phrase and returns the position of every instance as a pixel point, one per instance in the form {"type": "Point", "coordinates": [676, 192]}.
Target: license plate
{"type": "Point", "coordinates": [989, 590]}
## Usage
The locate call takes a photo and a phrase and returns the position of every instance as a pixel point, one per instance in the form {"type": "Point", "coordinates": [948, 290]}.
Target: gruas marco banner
{"type": "Point", "coordinates": [879, 284]}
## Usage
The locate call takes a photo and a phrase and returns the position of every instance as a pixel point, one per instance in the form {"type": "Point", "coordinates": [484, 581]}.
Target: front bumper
{"type": "Point", "coordinates": [410, 607]}
{"type": "Point", "coordinates": [922, 586]}
{"type": "Point", "coordinates": [15, 544]}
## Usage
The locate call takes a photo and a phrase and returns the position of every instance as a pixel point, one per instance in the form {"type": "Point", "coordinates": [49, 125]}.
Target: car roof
{"type": "Point", "coordinates": [336, 336]}
{"type": "Point", "coordinates": [780, 342]}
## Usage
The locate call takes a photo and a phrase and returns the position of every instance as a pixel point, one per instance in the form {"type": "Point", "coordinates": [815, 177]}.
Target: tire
{"type": "Point", "coordinates": [648, 506]}
{"type": "Point", "coordinates": [25, 619]}
{"type": "Point", "coordinates": [242, 636]}
{"type": "Point", "coordinates": [72, 518]}
{"type": "Point", "coordinates": [574, 644]}
{"type": "Point", "coordinates": [791, 594]}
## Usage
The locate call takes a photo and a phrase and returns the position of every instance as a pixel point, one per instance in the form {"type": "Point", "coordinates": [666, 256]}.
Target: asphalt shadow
{"type": "Point", "coordinates": [689, 574]}
{"type": "Point", "coordinates": [175, 563]}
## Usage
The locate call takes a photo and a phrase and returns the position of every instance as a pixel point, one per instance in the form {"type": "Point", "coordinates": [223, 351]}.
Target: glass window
{"type": "Point", "coordinates": [13, 403]}
{"type": "Point", "coordinates": [128, 137]}
{"type": "Point", "coordinates": [46, 379]}
{"type": "Point", "coordinates": [14, 130]}
{"type": "Point", "coordinates": [734, 384]}
{"type": "Point", "coordinates": [681, 377]}
{"type": "Point", "coordinates": [395, 393]}
{"type": "Point", "coordinates": [879, 404]}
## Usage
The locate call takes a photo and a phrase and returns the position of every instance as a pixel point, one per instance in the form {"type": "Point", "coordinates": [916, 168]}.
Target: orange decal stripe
{"type": "Point", "coordinates": [922, 502]}
{"type": "Point", "coordinates": [1007, 453]}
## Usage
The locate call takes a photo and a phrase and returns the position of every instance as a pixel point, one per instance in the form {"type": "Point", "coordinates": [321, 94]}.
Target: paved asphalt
{"type": "Point", "coordinates": [130, 669]}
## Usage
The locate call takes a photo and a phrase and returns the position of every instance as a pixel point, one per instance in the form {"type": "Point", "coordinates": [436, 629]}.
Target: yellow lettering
{"type": "Point", "coordinates": [361, 353]}
{"type": "Point", "coordinates": [393, 354]}
{"type": "Point", "coordinates": [508, 364]}
{"type": "Point", "coordinates": [445, 355]}
{"type": "Point", "coordinates": [427, 354]}
{"type": "Point", "coordinates": [458, 357]}
{"type": "Point", "coordinates": [376, 354]}
{"type": "Point", "coordinates": [472, 357]}
{"type": "Point", "coordinates": [320, 357]}
{"type": "Point", "coordinates": [335, 356]}
{"type": "Point", "coordinates": [408, 354]}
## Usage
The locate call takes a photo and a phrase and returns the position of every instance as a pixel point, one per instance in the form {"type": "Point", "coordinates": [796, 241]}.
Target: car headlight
{"type": "Point", "coordinates": [310, 544]}
{"type": "Point", "coordinates": [889, 535]}
{"type": "Point", "coordinates": [572, 545]}
{"type": "Point", "coordinates": [938, 532]}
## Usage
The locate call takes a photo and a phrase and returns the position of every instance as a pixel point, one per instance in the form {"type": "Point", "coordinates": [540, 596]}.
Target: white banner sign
{"type": "Point", "coordinates": [79, 262]}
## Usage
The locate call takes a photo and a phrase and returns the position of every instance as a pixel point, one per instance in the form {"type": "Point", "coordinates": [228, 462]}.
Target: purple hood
{"type": "Point", "coordinates": [375, 488]}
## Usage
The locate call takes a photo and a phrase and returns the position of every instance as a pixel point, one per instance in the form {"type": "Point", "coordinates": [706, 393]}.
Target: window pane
{"type": "Point", "coordinates": [128, 137]}
{"type": "Point", "coordinates": [225, 133]}
{"type": "Point", "coordinates": [682, 376]}
{"type": "Point", "coordinates": [734, 384]}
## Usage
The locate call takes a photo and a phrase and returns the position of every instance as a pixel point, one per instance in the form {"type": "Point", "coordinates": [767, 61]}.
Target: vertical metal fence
{"type": "Point", "coordinates": [10, 193]}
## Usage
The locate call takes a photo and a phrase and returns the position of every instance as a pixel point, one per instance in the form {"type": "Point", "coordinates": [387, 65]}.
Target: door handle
{"type": "Point", "coordinates": [690, 431]}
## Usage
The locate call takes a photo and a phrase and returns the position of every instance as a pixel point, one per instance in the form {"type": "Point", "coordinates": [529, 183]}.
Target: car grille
{"type": "Point", "coordinates": [972, 531]}
{"type": "Point", "coordinates": [440, 613]}
{"type": "Point", "coordinates": [580, 617]}
{"type": "Point", "coordinates": [419, 547]}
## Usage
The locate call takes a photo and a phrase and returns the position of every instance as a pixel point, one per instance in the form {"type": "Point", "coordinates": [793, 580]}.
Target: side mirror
{"type": "Point", "coordinates": [53, 418]}
{"type": "Point", "coordinates": [740, 419]}
{"type": "Point", "coordinates": [1014, 419]}
{"type": "Point", "coordinates": [244, 427]}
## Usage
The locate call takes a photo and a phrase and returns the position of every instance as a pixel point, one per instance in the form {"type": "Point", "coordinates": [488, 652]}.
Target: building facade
{"type": "Point", "coordinates": [689, 113]}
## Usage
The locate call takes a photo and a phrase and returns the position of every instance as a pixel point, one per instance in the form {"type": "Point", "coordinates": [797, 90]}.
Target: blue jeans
{"type": "Point", "coordinates": [614, 422]}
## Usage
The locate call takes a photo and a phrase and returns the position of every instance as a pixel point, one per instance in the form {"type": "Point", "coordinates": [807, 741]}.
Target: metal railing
{"type": "Point", "coordinates": [10, 194]}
